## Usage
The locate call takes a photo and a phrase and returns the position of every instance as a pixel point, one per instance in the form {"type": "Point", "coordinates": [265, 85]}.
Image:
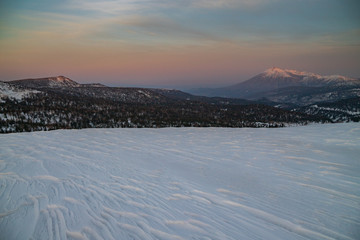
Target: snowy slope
{"type": "Point", "coordinates": [186, 183]}
{"type": "Point", "coordinates": [13, 92]}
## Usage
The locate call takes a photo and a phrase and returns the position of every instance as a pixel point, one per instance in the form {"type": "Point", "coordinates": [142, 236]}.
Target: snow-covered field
{"type": "Point", "coordinates": [186, 183]}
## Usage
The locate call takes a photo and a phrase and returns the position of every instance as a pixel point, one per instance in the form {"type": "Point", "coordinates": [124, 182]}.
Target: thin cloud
{"type": "Point", "coordinates": [347, 38]}
{"type": "Point", "coordinates": [230, 3]}
{"type": "Point", "coordinates": [107, 7]}
{"type": "Point", "coordinates": [165, 27]}
{"type": "Point", "coordinates": [148, 31]}
{"type": "Point", "coordinates": [128, 6]}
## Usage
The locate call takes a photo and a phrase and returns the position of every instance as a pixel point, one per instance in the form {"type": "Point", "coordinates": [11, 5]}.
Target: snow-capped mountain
{"type": "Point", "coordinates": [274, 78]}
{"type": "Point", "coordinates": [276, 72]}
{"type": "Point", "coordinates": [291, 86]}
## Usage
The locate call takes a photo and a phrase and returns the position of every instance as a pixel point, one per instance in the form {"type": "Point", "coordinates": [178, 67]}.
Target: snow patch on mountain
{"type": "Point", "coordinates": [338, 77]}
{"type": "Point", "coordinates": [52, 82]}
{"type": "Point", "coordinates": [61, 81]}
{"type": "Point", "coordinates": [9, 91]}
{"type": "Point", "coordinates": [276, 73]}
{"type": "Point", "coordinates": [303, 76]}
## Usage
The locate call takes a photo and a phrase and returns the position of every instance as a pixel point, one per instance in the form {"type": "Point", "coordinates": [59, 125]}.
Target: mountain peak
{"type": "Point", "coordinates": [276, 72]}
{"type": "Point", "coordinates": [61, 81]}
{"type": "Point", "coordinates": [277, 78]}
{"type": "Point", "coordinates": [61, 78]}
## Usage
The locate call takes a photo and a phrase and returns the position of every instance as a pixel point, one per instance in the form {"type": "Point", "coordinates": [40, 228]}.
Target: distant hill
{"type": "Point", "coordinates": [64, 85]}
{"type": "Point", "coordinates": [61, 85]}
{"type": "Point", "coordinates": [53, 82]}
{"type": "Point", "coordinates": [289, 86]}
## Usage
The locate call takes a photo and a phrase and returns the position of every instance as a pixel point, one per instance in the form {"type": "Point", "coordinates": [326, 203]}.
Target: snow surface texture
{"type": "Point", "coordinates": [186, 183]}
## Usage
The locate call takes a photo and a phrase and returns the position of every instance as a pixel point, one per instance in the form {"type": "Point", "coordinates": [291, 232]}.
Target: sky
{"type": "Point", "coordinates": [176, 43]}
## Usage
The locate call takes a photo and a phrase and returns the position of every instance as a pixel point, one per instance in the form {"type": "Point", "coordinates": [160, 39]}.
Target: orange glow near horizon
{"type": "Point", "coordinates": [124, 43]}
{"type": "Point", "coordinates": [215, 65]}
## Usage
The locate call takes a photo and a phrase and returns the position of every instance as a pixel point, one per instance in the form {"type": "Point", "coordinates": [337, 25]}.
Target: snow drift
{"type": "Point", "coordinates": [187, 183]}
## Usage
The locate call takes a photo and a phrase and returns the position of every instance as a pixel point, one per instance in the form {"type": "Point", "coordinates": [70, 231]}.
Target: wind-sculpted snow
{"type": "Point", "coordinates": [186, 183]}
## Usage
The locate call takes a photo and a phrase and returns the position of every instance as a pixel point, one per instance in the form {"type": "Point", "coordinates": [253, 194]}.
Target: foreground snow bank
{"type": "Point", "coordinates": [187, 183]}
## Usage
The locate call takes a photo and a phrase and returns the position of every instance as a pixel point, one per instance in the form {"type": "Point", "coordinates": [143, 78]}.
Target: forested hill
{"type": "Point", "coordinates": [44, 106]}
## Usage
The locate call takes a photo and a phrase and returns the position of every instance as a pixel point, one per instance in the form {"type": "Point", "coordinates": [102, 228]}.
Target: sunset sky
{"type": "Point", "coordinates": [176, 43]}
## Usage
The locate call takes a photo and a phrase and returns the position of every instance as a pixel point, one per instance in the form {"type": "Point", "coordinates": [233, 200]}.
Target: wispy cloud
{"type": "Point", "coordinates": [165, 27]}
{"type": "Point", "coordinates": [126, 6]}
{"type": "Point", "coordinates": [107, 7]}
{"type": "Point", "coordinates": [129, 29]}
{"type": "Point", "coordinates": [230, 3]}
{"type": "Point", "coordinates": [347, 38]}
{"type": "Point", "coordinates": [158, 20]}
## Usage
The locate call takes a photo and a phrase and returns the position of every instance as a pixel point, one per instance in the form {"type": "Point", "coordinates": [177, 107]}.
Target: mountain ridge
{"type": "Point", "coordinates": [59, 102]}
{"type": "Point", "coordinates": [65, 85]}
{"type": "Point", "coordinates": [52, 82]}
{"type": "Point", "coordinates": [67, 104]}
{"type": "Point", "coordinates": [272, 82]}
{"type": "Point", "coordinates": [279, 72]}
